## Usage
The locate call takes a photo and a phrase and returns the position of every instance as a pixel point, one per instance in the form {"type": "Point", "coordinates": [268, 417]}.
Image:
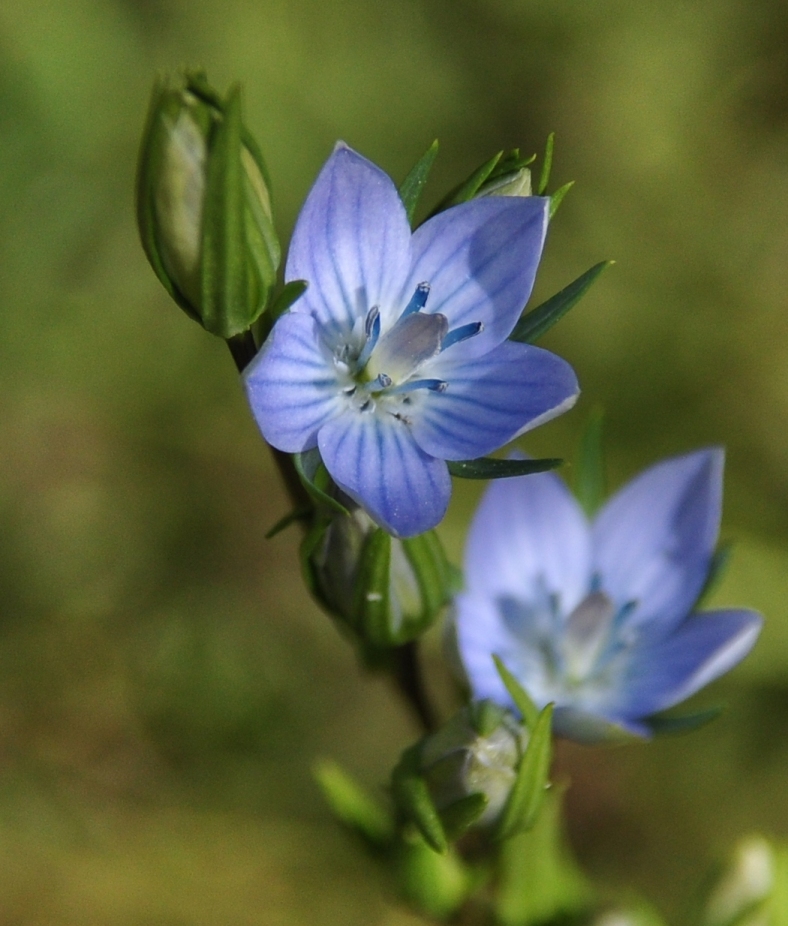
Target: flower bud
{"type": "Point", "coordinates": [204, 206]}
{"type": "Point", "coordinates": [476, 753]}
{"type": "Point", "coordinates": [746, 892]}
{"type": "Point", "coordinates": [386, 590]}
{"type": "Point", "coordinates": [514, 183]}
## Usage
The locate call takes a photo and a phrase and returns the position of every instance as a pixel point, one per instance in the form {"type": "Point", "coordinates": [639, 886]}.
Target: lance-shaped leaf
{"type": "Point", "coordinates": [462, 814]}
{"type": "Point", "coordinates": [664, 724]}
{"type": "Point", "coordinates": [289, 294]}
{"type": "Point", "coordinates": [492, 468]}
{"type": "Point", "coordinates": [413, 185]}
{"type": "Point", "coordinates": [532, 325]}
{"type": "Point", "coordinates": [547, 165]}
{"type": "Point", "coordinates": [525, 801]}
{"type": "Point", "coordinates": [352, 805]}
{"type": "Point", "coordinates": [316, 480]}
{"type": "Point", "coordinates": [590, 467]}
{"type": "Point", "coordinates": [719, 564]}
{"type": "Point", "coordinates": [413, 799]}
{"type": "Point", "coordinates": [558, 197]}
{"type": "Point", "coordinates": [522, 700]}
{"type": "Point", "coordinates": [298, 514]}
{"type": "Point", "coordinates": [468, 188]}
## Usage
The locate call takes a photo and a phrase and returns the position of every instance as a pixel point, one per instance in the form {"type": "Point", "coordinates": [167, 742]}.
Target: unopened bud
{"type": "Point", "coordinates": [204, 207]}
{"type": "Point", "coordinates": [516, 183]}
{"type": "Point", "coordinates": [746, 885]}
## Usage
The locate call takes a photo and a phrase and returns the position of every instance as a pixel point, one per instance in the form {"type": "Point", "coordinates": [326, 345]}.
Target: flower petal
{"type": "Point", "coordinates": [292, 386]}
{"type": "Point", "coordinates": [528, 540]}
{"type": "Point", "coordinates": [490, 400]}
{"type": "Point", "coordinates": [655, 538]}
{"type": "Point", "coordinates": [480, 259]}
{"type": "Point", "coordinates": [372, 456]}
{"type": "Point", "coordinates": [665, 671]}
{"type": "Point", "coordinates": [351, 242]}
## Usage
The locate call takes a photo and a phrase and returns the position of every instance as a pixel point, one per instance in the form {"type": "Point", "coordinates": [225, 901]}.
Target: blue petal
{"type": "Point", "coordinates": [529, 539]}
{"type": "Point", "coordinates": [480, 259]}
{"type": "Point", "coordinates": [373, 457]}
{"type": "Point", "coordinates": [490, 399]}
{"type": "Point", "coordinates": [351, 242]}
{"type": "Point", "coordinates": [292, 385]}
{"type": "Point", "coordinates": [664, 672]}
{"type": "Point", "coordinates": [654, 539]}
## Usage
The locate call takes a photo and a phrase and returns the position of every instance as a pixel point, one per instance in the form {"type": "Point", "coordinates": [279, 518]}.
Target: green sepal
{"type": "Point", "coordinates": [468, 188]}
{"type": "Point", "coordinates": [492, 468]}
{"type": "Point", "coordinates": [436, 884]}
{"type": "Point", "coordinates": [413, 185]}
{"type": "Point", "coordinates": [590, 480]}
{"type": "Point", "coordinates": [298, 514]}
{"type": "Point", "coordinates": [522, 700]}
{"type": "Point", "coordinates": [315, 479]}
{"type": "Point", "coordinates": [435, 575]}
{"type": "Point", "coordinates": [372, 582]}
{"type": "Point", "coordinates": [462, 814]}
{"type": "Point", "coordinates": [557, 198]}
{"type": "Point", "coordinates": [352, 806]}
{"type": "Point", "coordinates": [532, 325]}
{"type": "Point", "coordinates": [525, 801]}
{"type": "Point", "coordinates": [666, 724]}
{"type": "Point", "coordinates": [485, 716]}
{"type": "Point", "coordinates": [547, 165]}
{"type": "Point", "coordinates": [413, 799]}
{"type": "Point", "coordinates": [720, 561]}
{"type": "Point", "coordinates": [287, 296]}
{"type": "Point", "coordinates": [505, 171]}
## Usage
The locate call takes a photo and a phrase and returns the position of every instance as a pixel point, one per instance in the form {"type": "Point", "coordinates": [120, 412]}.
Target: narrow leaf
{"type": "Point", "coordinates": [462, 814]}
{"type": "Point", "coordinates": [427, 557]}
{"type": "Point", "coordinates": [663, 724]}
{"type": "Point", "coordinates": [492, 468]}
{"type": "Point", "coordinates": [547, 164]}
{"type": "Point", "coordinates": [315, 479]}
{"type": "Point", "coordinates": [414, 796]}
{"type": "Point", "coordinates": [413, 185]}
{"type": "Point", "coordinates": [719, 564]}
{"type": "Point", "coordinates": [521, 698]}
{"type": "Point", "coordinates": [532, 325]}
{"type": "Point", "coordinates": [299, 514]}
{"type": "Point", "coordinates": [468, 188]}
{"type": "Point", "coordinates": [351, 805]}
{"type": "Point", "coordinates": [525, 801]}
{"type": "Point", "coordinates": [289, 294]}
{"type": "Point", "coordinates": [558, 197]}
{"type": "Point", "coordinates": [590, 467]}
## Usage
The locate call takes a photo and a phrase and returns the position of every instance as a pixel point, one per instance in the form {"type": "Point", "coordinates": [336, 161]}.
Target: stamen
{"type": "Point", "coordinates": [434, 385]}
{"type": "Point", "coordinates": [418, 300]}
{"type": "Point", "coordinates": [462, 334]}
{"type": "Point", "coordinates": [381, 381]}
{"type": "Point", "coordinates": [372, 333]}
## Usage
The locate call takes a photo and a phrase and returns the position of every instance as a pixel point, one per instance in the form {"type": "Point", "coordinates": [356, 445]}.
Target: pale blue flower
{"type": "Point", "coordinates": [598, 617]}
{"type": "Point", "coordinates": [396, 359]}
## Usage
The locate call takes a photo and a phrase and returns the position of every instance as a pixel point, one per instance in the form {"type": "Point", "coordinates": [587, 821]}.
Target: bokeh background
{"type": "Point", "coordinates": [165, 682]}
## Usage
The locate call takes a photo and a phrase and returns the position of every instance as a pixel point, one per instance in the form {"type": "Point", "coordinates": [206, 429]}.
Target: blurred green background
{"type": "Point", "coordinates": [165, 682]}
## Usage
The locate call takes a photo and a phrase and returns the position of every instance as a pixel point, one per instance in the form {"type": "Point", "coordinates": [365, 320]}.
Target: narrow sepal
{"type": "Point", "coordinates": [434, 883]}
{"type": "Point", "coordinates": [547, 164]}
{"type": "Point", "coordinates": [720, 561]}
{"type": "Point", "coordinates": [372, 603]}
{"type": "Point", "coordinates": [558, 197]}
{"type": "Point", "coordinates": [532, 325]}
{"type": "Point", "coordinates": [590, 467]}
{"type": "Point", "coordinates": [352, 806]}
{"type": "Point", "coordinates": [525, 801]}
{"type": "Point", "coordinates": [316, 480]}
{"type": "Point", "coordinates": [522, 700]}
{"type": "Point", "coordinates": [413, 799]}
{"type": "Point", "coordinates": [287, 296]}
{"type": "Point", "coordinates": [492, 468]}
{"type": "Point", "coordinates": [462, 814]}
{"type": "Point", "coordinates": [413, 185]}
{"type": "Point", "coordinates": [298, 514]}
{"type": "Point", "coordinates": [470, 187]}
{"type": "Point", "coordinates": [663, 724]}
{"type": "Point", "coordinates": [434, 573]}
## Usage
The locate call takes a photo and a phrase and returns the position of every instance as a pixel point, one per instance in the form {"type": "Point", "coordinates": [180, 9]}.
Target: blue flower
{"type": "Point", "coordinates": [396, 359]}
{"type": "Point", "coordinates": [598, 617]}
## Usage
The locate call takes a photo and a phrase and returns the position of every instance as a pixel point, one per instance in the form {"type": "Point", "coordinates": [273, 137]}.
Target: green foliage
{"type": "Point", "coordinates": [493, 468]}
{"type": "Point", "coordinates": [590, 480]}
{"type": "Point", "coordinates": [413, 185]}
{"type": "Point", "coordinates": [352, 806]}
{"type": "Point", "coordinates": [529, 711]}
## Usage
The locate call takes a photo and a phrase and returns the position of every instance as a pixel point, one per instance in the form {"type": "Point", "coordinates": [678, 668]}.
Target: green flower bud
{"type": "Point", "coordinates": [476, 753]}
{"type": "Point", "coordinates": [386, 590]}
{"type": "Point", "coordinates": [515, 183]}
{"type": "Point", "coordinates": [204, 206]}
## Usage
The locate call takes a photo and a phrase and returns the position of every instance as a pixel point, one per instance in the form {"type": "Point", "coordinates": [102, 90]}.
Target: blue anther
{"type": "Point", "coordinates": [462, 334]}
{"type": "Point", "coordinates": [418, 300]}
{"type": "Point", "coordinates": [434, 385]}
{"type": "Point", "coordinates": [372, 332]}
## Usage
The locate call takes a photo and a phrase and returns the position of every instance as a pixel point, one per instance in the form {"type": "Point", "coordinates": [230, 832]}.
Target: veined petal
{"type": "Point", "coordinates": [292, 385]}
{"type": "Point", "coordinates": [351, 242]}
{"type": "Point", "coordinates": [654, 539]}
{"type": "Point", "coordinates": [666, 671]}
{"type": "Point", "coordinates": [490, 399]}
{"type": "Point", "coordinates": [529, 539]}
{"type": "Point", "coordinates": [372, 456]}
{"type": "Point", "coordinates": [480, 259]}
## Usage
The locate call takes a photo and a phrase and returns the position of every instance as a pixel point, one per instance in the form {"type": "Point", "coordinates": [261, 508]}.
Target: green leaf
{"type": "Point", "coordinates": [289, 294]}
{"type": "Point", "coordinates": [413, 185]}
{"type": "Point", "coordinates": [225, 280]}
{"type": "Point", "coordinates": [532, 325]}
{"type": "Point", "coordinates": [299, 514]}
{"type": "Point", "coordinates": [316, 480]}
{"type": "Point", "coordinates": [590, 467]}
{"type": "Point", "coordinates": [664, 724]}
{"type": "Point", "coordinates": [719, 564]}
{"type": "Point", "coordinates": [353, 806]}
{"type": "Point", "coordinates": [525, 800]}
{"type": "Point", "coordinates": [462, 814]}
{"type": "Point", "coordinates": [558, 197]}
{"type": "Point", "coordinates": [436, 884]}
{"type": "Point", "coordinates": [547, 165]}
{"type": "Point", "coordinates": [468, 188]}
{"type": "Point", "coordinates": [413, 799]}
{"type": "Point", "coordinates": [492, 468]}
{"type": "Point", "coordinates": [434, 575]}
{"type": "Point", "coordinates": [521, 698]}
